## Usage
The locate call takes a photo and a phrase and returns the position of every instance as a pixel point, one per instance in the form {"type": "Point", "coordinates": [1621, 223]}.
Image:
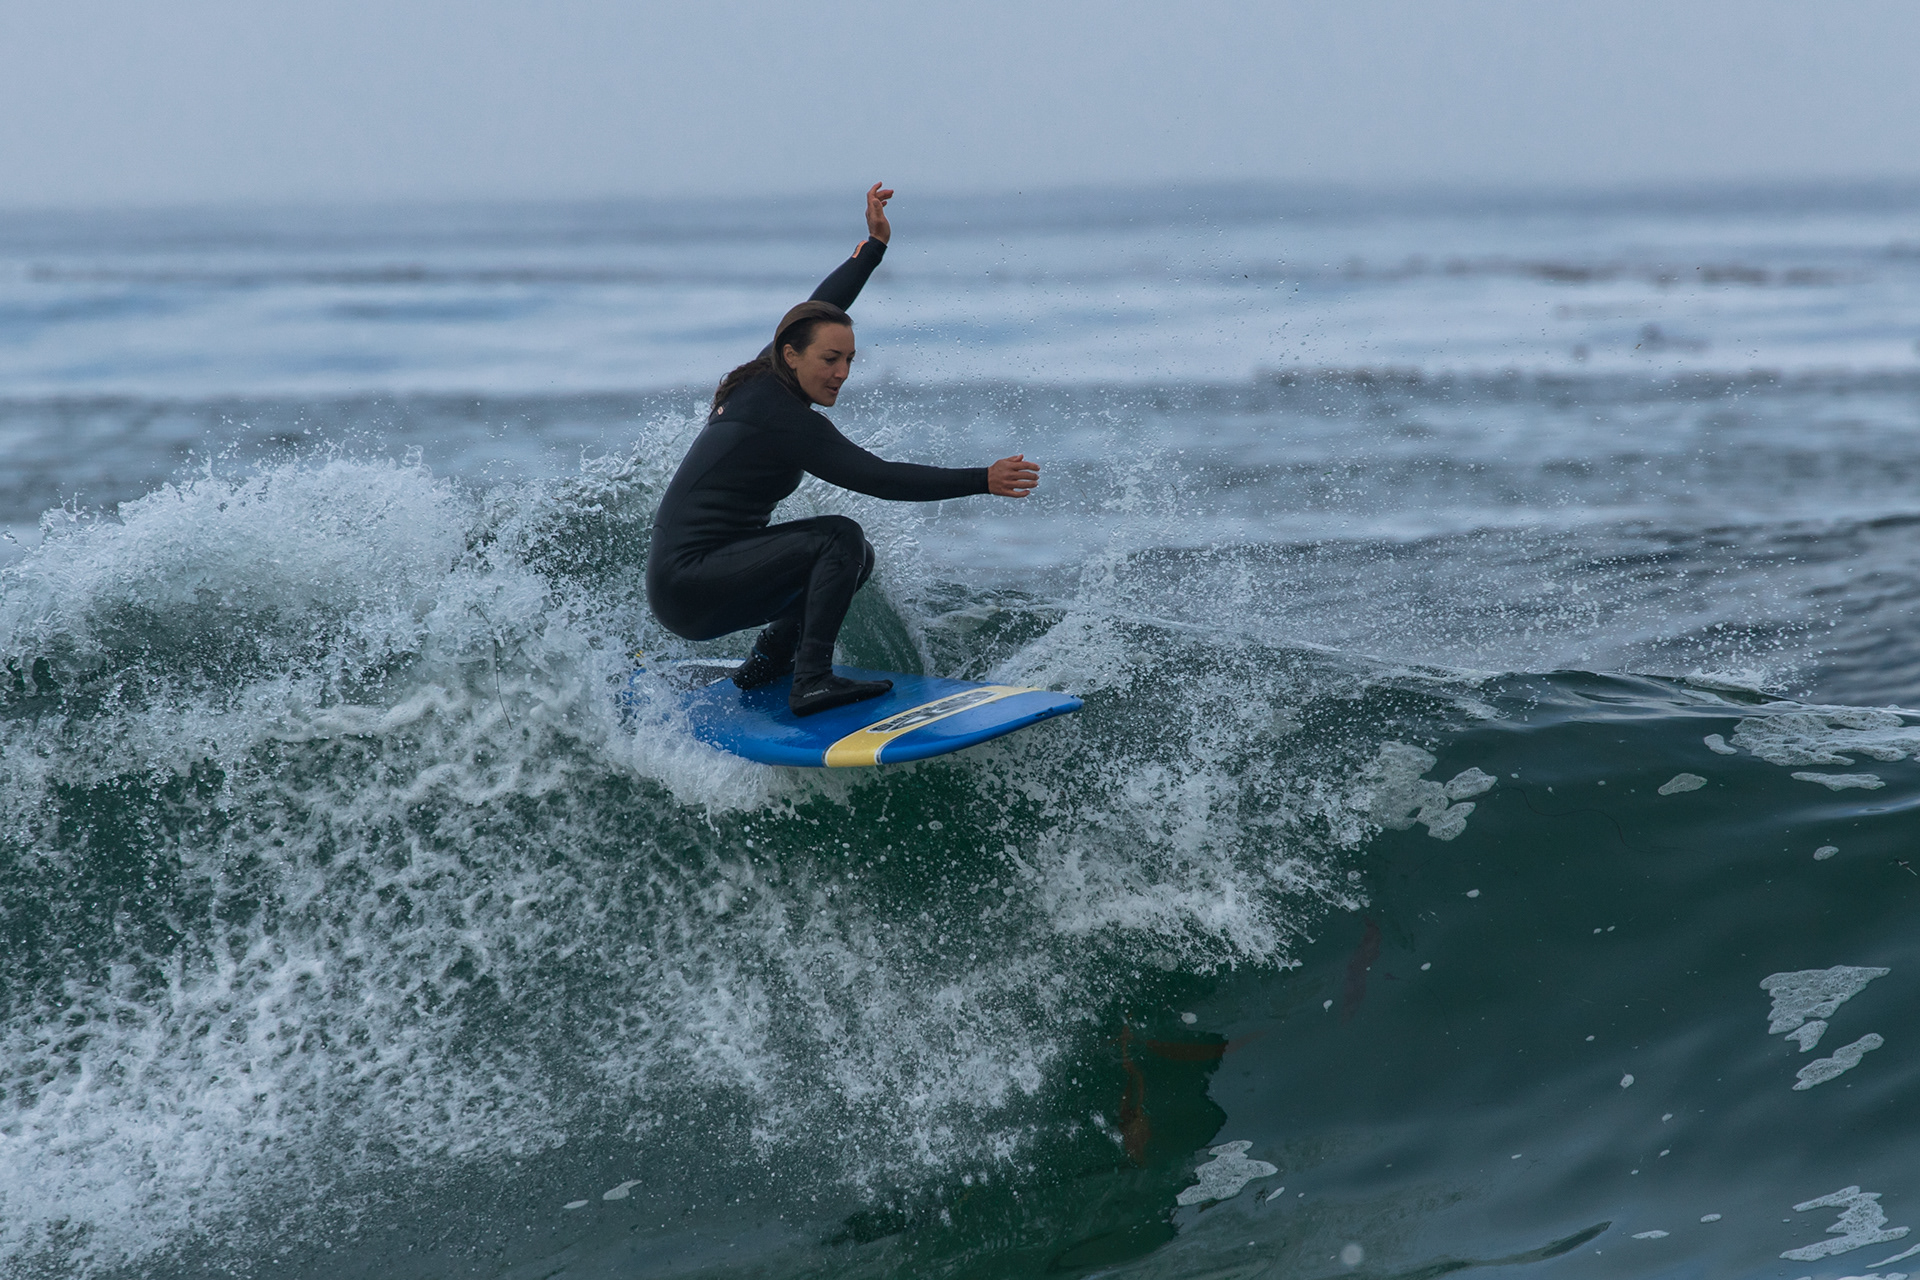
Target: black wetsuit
{"type": "Point", "coordinates": [717, 566]}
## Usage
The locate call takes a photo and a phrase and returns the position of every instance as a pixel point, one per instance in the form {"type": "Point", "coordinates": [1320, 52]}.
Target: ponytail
{"type": "Point", "coordinates": [745, 373]}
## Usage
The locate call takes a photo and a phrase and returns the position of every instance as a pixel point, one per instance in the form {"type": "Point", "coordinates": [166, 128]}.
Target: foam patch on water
{"type": "Point", "coordinates": [1827, 735]}
{"type": "Point", "coordinates": [1862, 1222]}
{"type": "Point", "coordinates": [1399, 796]}
{"type": "Point", "coordinates": [1808, 1036]}
{"type": "Point", "coordinates": [1806, 994]}
{"type": "Point", "coordinates": [1682, 782]}
{"type": "Point", "coordinates": [1844, 1059]}
{"type": "Point", "coordinates": [1224, 1176]}
{"type": "Point", "coordinates": [1843, 781]}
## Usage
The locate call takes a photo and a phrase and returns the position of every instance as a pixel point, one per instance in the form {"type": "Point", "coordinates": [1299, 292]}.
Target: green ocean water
{"type": "Point", "coordinates": [1487, 842]}
{"type": "Point", "coordinates": [352, 931]}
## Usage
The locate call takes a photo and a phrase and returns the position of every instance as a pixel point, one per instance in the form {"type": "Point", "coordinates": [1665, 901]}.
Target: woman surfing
{"type": "Point", "coordinates": [716, 565]}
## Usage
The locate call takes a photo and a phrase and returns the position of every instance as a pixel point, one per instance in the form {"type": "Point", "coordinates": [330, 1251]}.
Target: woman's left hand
{"type": "Point", "coordinates": [877, 225]}
{"type": "Point", "coordinates": [1013, 477]}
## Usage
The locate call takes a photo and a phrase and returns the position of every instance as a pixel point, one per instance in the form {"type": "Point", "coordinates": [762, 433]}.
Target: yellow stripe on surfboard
{"type": "Point", "coordinates": [863, 745]}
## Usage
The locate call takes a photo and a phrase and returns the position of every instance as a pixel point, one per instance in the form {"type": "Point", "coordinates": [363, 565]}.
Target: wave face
{"type": "Point", "coordinates": [332, 865]}
{"type": "Point", "coordinates": [1354, 927]}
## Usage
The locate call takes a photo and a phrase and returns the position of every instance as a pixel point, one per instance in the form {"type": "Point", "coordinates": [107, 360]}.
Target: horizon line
{"type": "Point", "coordinates": [1456, 192]}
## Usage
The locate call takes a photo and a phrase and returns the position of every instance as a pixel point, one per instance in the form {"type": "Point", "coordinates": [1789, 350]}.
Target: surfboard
{"type": "Point", "coordinates": [920, 716]}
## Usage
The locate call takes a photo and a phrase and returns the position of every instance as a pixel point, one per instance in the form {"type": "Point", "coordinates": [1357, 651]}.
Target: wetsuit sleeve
{"type": "Point", "coordinates": [824, 452]}
{"type": "Point", "coordinates": [844, 285]}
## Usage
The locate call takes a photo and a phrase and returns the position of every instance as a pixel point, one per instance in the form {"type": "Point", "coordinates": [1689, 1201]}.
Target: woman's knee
{"type": "Point", "coordinates": [843, 531]}
{"type": "Point", "coordinates": [844, 538]}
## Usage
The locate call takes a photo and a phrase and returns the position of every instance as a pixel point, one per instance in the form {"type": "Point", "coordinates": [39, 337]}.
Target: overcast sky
{"type": "Point", "coordinates": [134, 101]}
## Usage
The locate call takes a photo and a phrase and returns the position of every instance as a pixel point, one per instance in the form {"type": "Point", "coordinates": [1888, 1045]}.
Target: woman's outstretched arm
{"type": "Point", "coordinates": [818, 448]}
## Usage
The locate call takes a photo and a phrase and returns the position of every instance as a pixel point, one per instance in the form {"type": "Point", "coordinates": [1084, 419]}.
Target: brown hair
{"type": "Point", "coordinates": [796, 331]}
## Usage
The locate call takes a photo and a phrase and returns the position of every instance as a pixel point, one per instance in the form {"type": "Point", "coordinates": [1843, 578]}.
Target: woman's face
{"type": "Point", "coordinates": [825, 364]}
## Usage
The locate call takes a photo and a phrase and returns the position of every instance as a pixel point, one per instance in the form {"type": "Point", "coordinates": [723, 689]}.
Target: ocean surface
{"type": "Point", "coordinates": [1492, 837]}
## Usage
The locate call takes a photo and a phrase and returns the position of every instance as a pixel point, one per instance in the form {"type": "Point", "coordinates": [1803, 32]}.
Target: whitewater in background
{"type": "Point", "coordinates": [1487, 839]}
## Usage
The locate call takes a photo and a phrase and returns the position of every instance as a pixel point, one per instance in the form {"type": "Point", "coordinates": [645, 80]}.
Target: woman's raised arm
{"type": "Point", "coordinates": [844, 285]}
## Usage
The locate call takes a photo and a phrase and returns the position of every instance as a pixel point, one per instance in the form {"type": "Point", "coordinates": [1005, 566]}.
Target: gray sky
{"type": "Point", "coordinates": [133, 101]}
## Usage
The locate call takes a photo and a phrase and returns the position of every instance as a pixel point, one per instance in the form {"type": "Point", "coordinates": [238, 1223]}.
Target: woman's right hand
{"type": "Point", "coordinates": [877, 225]}
{"type": "Point", "coordinates": [1013, 477]}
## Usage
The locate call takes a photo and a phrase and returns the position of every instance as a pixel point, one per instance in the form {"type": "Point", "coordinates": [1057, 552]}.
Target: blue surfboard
{"type": "Point", "coordinates": [921, 716]}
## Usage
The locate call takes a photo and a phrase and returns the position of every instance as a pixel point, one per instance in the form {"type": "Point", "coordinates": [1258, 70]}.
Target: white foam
{"type": "Point", "coordinates": [1718, 745]}
{"type": "Point", "coordinates": [1825, 851]}
{"type": "Point", "coordinates": [1843, 781]}
{"type": "Point", "coordinates": [1469, 783]}
{"type": "Point", "coordinates": [1827, 735]}
{"type": "Point", "coordinates": [1813, 993]}
{"type": "Point", "coordinates": [1844, 1059]}
{"type": "Point", "coordinates": [1862, 1222]}
{"type": "Point", "coordinates": [1223, 1177]}
{"type": "Point", "coordinates": [1808, 1035]}
{"type": "Point", "coordinates": [1650, 1235]}
{"type": "Point", "coordinates": [1682, 782]}
{"type": "Point", "coordinates": [1398, 796]}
